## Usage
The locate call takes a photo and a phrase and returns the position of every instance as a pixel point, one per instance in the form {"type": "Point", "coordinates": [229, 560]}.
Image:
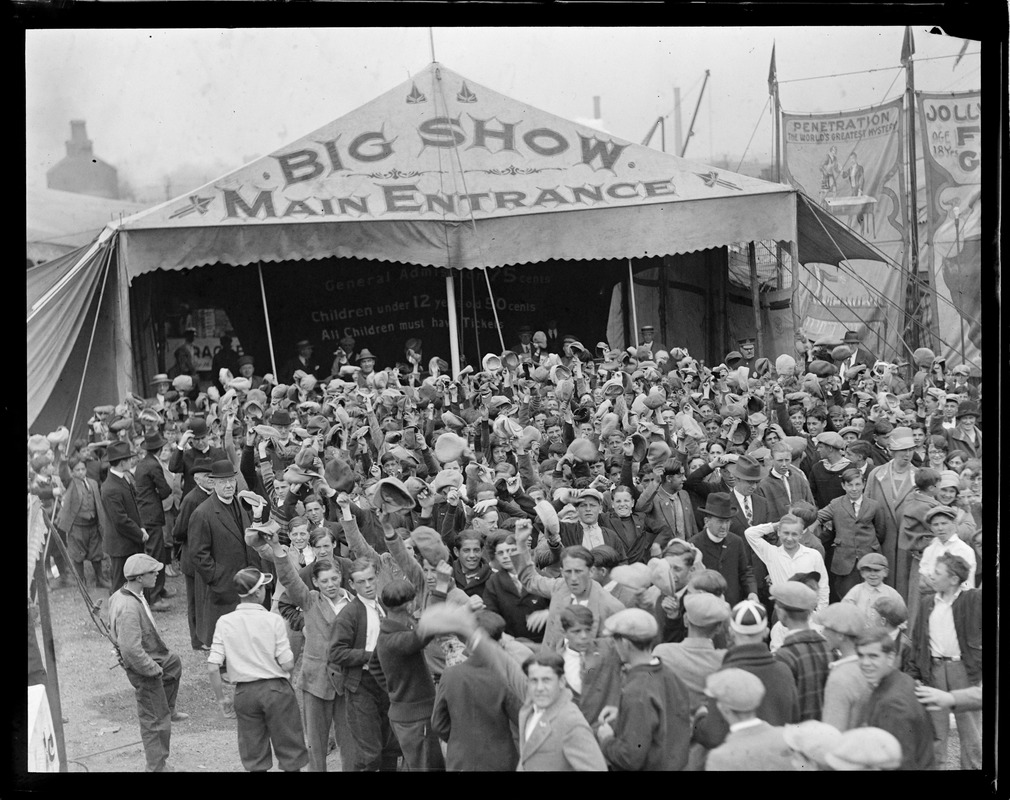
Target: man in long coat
{"type": "Point", "coordinates": [218, 550]}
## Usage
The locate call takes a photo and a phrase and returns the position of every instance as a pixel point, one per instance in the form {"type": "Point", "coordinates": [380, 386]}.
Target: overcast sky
{"type": "Point", "coordinates": [155, 100]}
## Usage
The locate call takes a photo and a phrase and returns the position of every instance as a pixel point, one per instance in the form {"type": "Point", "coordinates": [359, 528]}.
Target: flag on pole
{"type": "Point", "coordinates": [773, 77]}
{"type": "Point", "coordinates": [907, 46]}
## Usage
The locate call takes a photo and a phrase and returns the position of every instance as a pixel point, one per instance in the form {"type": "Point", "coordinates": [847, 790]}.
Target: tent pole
{"type": "Point", "coordinates": [494, 309]}
{"type": "Point", "coordinates": [634, 307]}
{"type": "Point", "coordinates": [450, 296]}
{"type": "Point", "coordinates": [755, 296]}
{"type": "Point", "coordinates": [49, 645]}
{"type": "Point", "coordinates": [266, 316]}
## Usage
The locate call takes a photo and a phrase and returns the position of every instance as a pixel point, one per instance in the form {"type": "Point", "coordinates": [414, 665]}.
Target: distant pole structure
{"type": "Point", "coordinates": [690, 129]}
{"type": "Point", "coordinates": [678, 132]}
{"type": "Point", "coordinates": [431, 42]}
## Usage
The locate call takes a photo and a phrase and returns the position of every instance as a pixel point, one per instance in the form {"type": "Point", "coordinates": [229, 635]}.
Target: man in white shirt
{"type": "Point", "coordinates": [941, 522]}
{"type": "Point", "coordinates": [790, 556]}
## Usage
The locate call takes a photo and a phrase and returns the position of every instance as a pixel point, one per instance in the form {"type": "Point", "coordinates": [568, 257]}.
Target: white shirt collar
{"type": "Point", "coordinates": [747, 723]}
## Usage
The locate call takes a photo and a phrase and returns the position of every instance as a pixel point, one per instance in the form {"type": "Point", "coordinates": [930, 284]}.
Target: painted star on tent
{"type": "Point", "coordinates": [712, 179]}
{"type": "Point", "coordinates": [196, 203]}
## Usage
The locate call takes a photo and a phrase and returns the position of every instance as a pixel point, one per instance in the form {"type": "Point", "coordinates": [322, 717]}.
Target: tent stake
{"type": "Point", "coordinates": [266, 316]}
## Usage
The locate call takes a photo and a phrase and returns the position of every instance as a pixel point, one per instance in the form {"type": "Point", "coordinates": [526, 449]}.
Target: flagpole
{"type": "Point", "coordinates": [913, 300]}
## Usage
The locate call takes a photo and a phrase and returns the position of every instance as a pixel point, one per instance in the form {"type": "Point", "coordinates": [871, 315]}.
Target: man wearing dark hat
{"type": "Point", "coordinates": [247, 369]}
{"type": "Point", "coordinates": [125, 536]}
{"type": "Point", "coordinates": [303, 360]}
{"type": "Point", "coordinates": [193, 444]}
{"type": "Point", "coordinates": [524, 348]}
{"type": "Point", "coordinates": [859, 353]}
{"type": "Point", "coordinates": [890, 485]}
{"type": "Point", "coordinates": [185, 357]}
{"type": "Point", "coordinates": [224, 358]}
{"type": "Point", "coordinates": [966, 435]}
{"type": "Point", "coordinates": [647, 340]}
{"type": "Point", "coordinates": [650, 730]}
{"type": "Point", "coordinates": [216, 534]}
{"type": "Point", "coordinates": [162, 385]}
{"type": "Point", "coordinates": [724, 551]}
{"type": "Point", "coordinates": [203, 490]}
{"type": "Point", "coordinates": [152, 668]}
{"type": "Point", "coordinates": [152, 489]}
{"type": "Point", "coordinates": [748, 355]}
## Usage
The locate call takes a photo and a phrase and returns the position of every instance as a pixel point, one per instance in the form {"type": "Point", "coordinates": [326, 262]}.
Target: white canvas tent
{"type": "Point", "coordinates": [439, 172]}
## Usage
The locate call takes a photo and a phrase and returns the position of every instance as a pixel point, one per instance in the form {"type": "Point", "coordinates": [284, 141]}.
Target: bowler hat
{"type": "Point", "coordinates": [154, 441]}
{"type": "Point", "coordinates": [966, 408]}
{"type": "Point", "coordinates": [222, 469]}
{"type": "Point", "coordinates": [118, 451]}
{"type": "Point", "coordinates": [719, 505]}
{"type": "Point", "coordinates": [198, 426]}
{"type": "Point", "coordinates": [735, 688]}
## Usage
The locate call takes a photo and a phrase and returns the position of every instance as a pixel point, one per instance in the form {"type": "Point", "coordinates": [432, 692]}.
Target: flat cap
{"type": "Point", "coordinates": [831, 439]}
{"type": "Point", "coordinates": [822, 369]}
{"type": "Point", "coordinates": [589, 494]}
{"type": "Point", "coordinates": [844, 618]}
{"type": "Point", "coordinates": [736, 689]}
{"type": "Point", "coordinates": [702, 609]}
{"type": "Point", "coordinates": [865, 749]}
{"type": "Point", "coordinates": [794, 596]}
{"type": "Point", "coordinates": [633, 623]}
{"type": "Point", "coordinates": [941, 511]}
{"type": "Point", "coordinates": [635, 576]}
{"type": "Point", "coordinates": [139, 563]}
{"type": "Point", "coordinates": [812, 738]}
{"type": "Point", "coordinates": [872, 561]}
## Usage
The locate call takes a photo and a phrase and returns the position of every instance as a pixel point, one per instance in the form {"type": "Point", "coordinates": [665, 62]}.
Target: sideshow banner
{"type": "Point", "coordinates": [851, 164]}
{"type": "Point", "coordinates": [951, 143]}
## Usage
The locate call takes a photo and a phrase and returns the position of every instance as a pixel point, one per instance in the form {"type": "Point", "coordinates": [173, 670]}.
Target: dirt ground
{"type": "Point", "coordinates": [99, 707]}
{"type": "Point", "coordinates": [101, 730]}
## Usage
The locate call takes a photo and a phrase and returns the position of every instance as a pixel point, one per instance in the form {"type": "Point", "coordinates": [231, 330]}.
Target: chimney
{"type": "Point", "coordinates": [596, 107]}
{"type": "Point", "coordinates": [79, 144]}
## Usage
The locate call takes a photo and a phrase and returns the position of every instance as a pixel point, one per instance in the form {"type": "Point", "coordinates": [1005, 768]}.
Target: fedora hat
{"type": "Point", "coordinates": [658, 453]}
{"type": "Point", "coordinates": [161, 377]}
{"type": "Point", "coordinates": [449, 447]}
{"type": "Point", "coordinates": [747, 468]}
{"type": "Point", "coordinates": [118, 451]}
{"type": "Point", "coordinates": [719, 505]}
{"type": "Point", "coordinates": [506, 428]}
{"type": "Point", "coordinates": [393, 495]}
{"type": "Point", "coordinates": [365, 354]}
{"type": "Point", "coordinates": [582, 450]}
{"type": "Point", "coordinates": [339, 475]}
{"type": "Point", "coordinates": [154, 441]}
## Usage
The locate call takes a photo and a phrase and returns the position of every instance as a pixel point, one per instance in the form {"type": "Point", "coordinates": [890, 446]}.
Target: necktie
{"type": "Point", "coordinates": [789, 492]}
{"type": "Point", "coordinates": [747, 512]}
{"type": "Point", "coordinates": [678, 517]}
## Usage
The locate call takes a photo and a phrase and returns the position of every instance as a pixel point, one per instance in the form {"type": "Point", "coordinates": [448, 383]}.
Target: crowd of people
{"type": "Point", "coordinates": [565, 559]}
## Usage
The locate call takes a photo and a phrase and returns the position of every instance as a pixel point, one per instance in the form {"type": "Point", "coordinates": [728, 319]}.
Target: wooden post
{"type": "Point", "coordinates": [634, 307]}
{"type": "Point", "coordinates": [266, 317]}
{"type": "Point", "coordinates": [52, 674]}
{"type": "Point", "coordinates": [450, 296]}
{"type": "Point", "coordinates": [755, 297]}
